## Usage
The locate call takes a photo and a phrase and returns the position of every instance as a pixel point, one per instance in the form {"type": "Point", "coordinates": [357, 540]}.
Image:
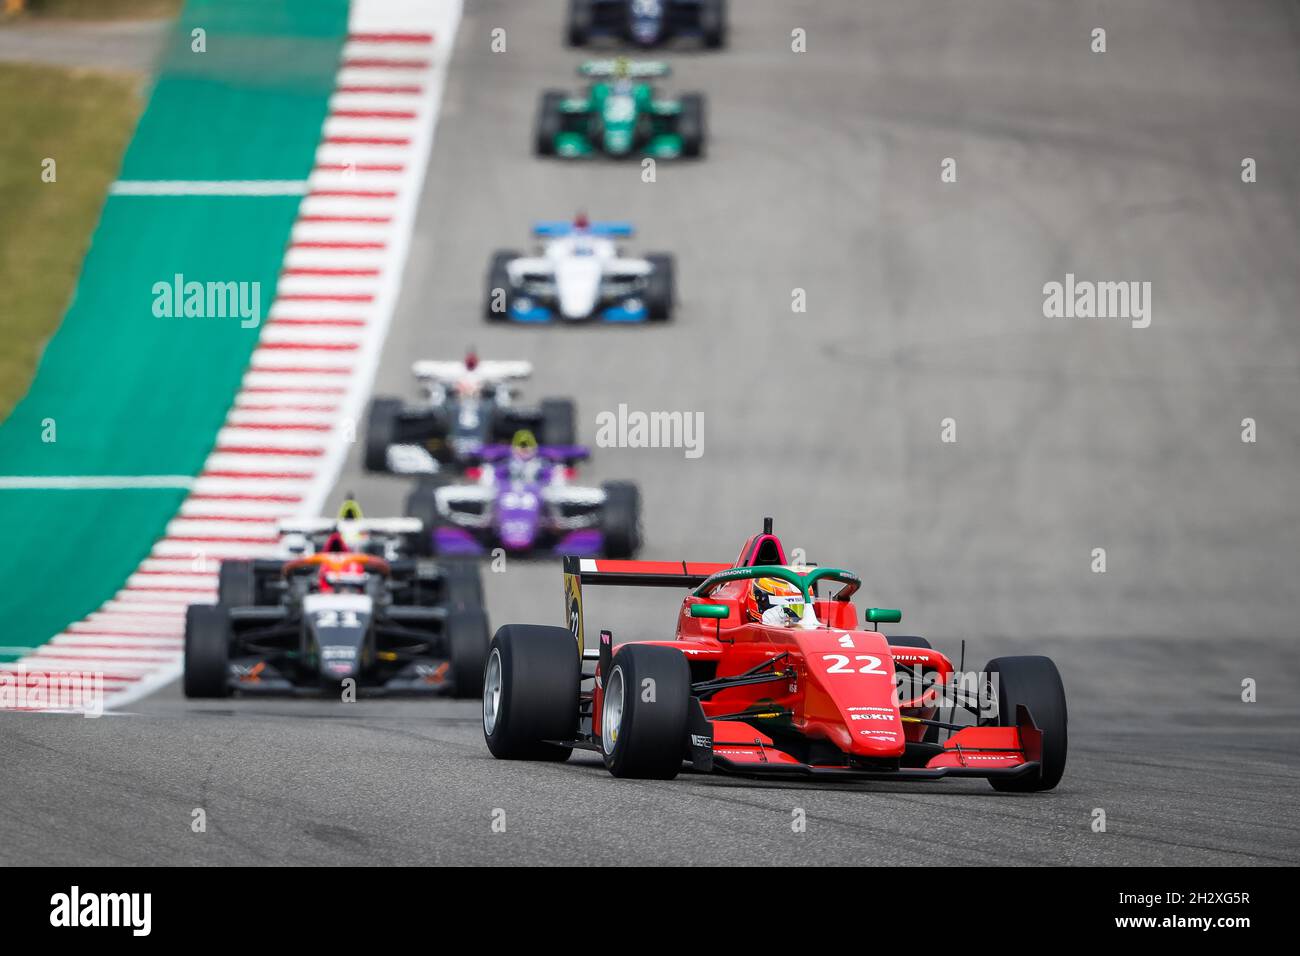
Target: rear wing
{"type": "Point", "coordinates": [556, 228]}
{"type": "Point", "coordinates": [632, 69]}
{"type": "Point", "coordinates": [642, 574]}
{"type": "Point", "coordinates": [381, 526]}
{"type": "Point", "coordinates": [491, 370]}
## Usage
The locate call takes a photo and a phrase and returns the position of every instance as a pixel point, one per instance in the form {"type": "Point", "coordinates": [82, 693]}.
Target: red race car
{"type": "Point", "coordinates": [765, 675]}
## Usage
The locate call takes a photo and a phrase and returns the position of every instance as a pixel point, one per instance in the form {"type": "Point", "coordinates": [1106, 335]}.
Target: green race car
{"type": "Point", "coordinates": [620, 115]}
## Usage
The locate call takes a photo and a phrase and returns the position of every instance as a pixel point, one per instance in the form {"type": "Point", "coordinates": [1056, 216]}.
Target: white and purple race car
{"type": "Point", "coordinates": [520, 500]}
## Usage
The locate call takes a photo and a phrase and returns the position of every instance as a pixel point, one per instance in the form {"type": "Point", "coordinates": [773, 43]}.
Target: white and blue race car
{"type": "Point", "coordinates": [580, 274]}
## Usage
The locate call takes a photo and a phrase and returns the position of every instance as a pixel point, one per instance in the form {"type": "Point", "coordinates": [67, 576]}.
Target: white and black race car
{"type": "Point", "coordinates": [465, 406]}
{"type": "Point", "coordinates": [580, 274]}
{"type": "Point", "coordinates": [344, 602]}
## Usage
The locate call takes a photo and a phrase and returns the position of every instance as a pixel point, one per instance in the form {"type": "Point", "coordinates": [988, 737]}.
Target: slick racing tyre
{"type": "Point", "coordinates": [713, 23]}
{"type": "Point", "coordinates": [467, 643]}
{"type": "Point", "coordinates": [236, 584]}
{"type": "Point", "coordinates": [207, 651]}
{"type": "Point", "coordinates": [499, 297]}
{"type": "Point", "coordinates": [660, 286]}
{"type": "Point", "coordinates": [690, 124]}
{"type": "Point", "coordinates": [578, 31]}
{"type": "Point", "coordinates": [620, 519]}
{"type": "Point", "coordinates": [381, 431]}
{"type": "Point", "coordinates": [1036, 683]}
{"type": "Point", "coordinates": [644, 712]}
{"type": "Point", "coordinates": [549, 122]}
{"type": "Point", "coordinates": [558, 417]}
{"type": "Point", "coordinates": [422, 503]}
{"type": "Point", "coordinates": [463, 588]}
{"type": "Point", "coordinates": [530, 692]}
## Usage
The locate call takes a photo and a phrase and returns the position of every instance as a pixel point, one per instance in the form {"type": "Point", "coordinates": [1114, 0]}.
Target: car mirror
{"type": "Point", "coordinates": [884, 615]}
{"type": "Point", "coordinates": [718, 612]}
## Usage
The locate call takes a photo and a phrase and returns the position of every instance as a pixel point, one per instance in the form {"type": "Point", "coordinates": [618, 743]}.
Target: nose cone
{"type": "Point", "coordinates": [578, 282]}
{"type": "Point", "coordinates": [618, 141]}
{"type": "Point", "coordinates": [850, 696]}
{"type": "Point", "coordinates": [518, 530]}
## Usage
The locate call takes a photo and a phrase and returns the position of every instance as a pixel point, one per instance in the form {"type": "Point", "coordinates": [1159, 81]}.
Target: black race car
{"type": "Point", "coordinates": [466, 406]}
{"type": "Point", "coordinates": [647, 22]}
{"type": "Point", "coordinates": [343, 605]}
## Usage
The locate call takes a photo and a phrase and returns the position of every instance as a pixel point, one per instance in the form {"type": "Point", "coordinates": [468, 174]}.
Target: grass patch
{"type": "Point", "coordinates": [82, 120]}
{"type": "Point", "coordinates": [103, 9]}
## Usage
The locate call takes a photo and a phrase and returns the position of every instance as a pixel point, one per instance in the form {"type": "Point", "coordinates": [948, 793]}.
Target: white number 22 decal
{"type": "Point", "coordinates": [842, 665]}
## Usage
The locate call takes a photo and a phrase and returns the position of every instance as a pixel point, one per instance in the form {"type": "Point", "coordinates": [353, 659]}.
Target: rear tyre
{"type": "Point", "coordinates": [644, 712]}
{"type": "Point", "coordinates": [236, 584]}
{"type": "Point", "coordinates": [660, 286]}
{"type": "Point", "coordinates": [422, 503]}
{"type": "Point", "coordinates": [549, 122]}
{"type": "Point", "coordinates": [580, 18]}
{"type": "Point", "coordinates": [690, 124]}
{"type": "Point", "coordinates": [530, 692]}
{"type": "Point", "coordinates": [620, 519]}
{"type": "Point", "coordinates": [499, 279]}
{"type": "Point", "coordinates": [381, 431]}
{"type": "Point", "coordinates": [713, 23]}
{"type": "Point", "coordinates": [207, 651]}
{"type": "Point", "coordinates": [467, 642]}
{"type": "Point", "coordinates": [463, 587]}
{"type": "Point", "coordinates": [558, 422]}
{"type": "Point", "coordinates": [1036, 683]}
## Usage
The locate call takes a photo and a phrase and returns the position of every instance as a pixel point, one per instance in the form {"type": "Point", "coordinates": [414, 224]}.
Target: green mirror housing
{"type": "Point", "coordinates": [716, 611]}
{"type": "Point", "coordinates": [883, 615]}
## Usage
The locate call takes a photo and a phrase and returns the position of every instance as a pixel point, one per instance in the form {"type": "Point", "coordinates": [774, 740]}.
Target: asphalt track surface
{"type": "Point", "coordinates": [924, 302]}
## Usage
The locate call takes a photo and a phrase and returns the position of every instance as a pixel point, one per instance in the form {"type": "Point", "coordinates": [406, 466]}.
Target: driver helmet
{"type": "Point", "coordinates": [775, 601]}
{"type": "Point", "coordinates": [523, 456]}
{"type": "Point", "coordinates": [524, 445]}
{"type": "Point", "coordinates": [348, 525]}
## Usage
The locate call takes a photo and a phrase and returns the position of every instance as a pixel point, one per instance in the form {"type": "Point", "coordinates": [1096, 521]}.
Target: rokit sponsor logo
{"type": "Point", "coordinates": [102, 910]}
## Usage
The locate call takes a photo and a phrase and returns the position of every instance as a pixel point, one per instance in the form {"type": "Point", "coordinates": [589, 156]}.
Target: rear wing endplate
{"type": "Point", "coordinates": [643, 574]}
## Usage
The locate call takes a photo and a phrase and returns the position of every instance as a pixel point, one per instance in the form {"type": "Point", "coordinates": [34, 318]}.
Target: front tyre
{"type": "Point", "coordinates": [550, 122]}
{"type": "Point", "coordinates": [500, 293]}
{"type": "Point", "coordinates": [207, 651]}
{"type": "Point", "coordinates": [690, 125]}
{"type": "Point", "coordinates": [660, 286]}
{"type": "Point", "coordinates": [644, 712]}
{"type": "Point", "coordinates": [530, 692]}
{"type": "Point", "coordinates": [1036, 683]}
